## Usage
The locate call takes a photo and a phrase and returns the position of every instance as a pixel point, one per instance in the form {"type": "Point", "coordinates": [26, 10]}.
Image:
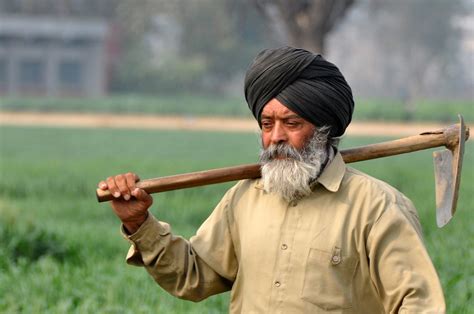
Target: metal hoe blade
{"type": "Point", "coordinates": [448, 164]}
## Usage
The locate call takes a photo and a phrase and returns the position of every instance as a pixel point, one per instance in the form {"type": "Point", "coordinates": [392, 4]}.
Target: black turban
{"type": "Point", "coordinates": [304, 82]}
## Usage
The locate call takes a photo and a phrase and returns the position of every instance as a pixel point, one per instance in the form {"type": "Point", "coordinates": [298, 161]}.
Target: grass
{"type": "Point", "coordinates": [439, 111]}
{"type": "Point", "coordinates": [180, 104]}
{"type": "Point", "coordinates": [187, 104]}
{"type": "Point", "coordinates": [47, 202]}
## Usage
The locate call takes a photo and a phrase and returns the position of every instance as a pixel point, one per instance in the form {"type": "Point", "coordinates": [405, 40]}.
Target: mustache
{"type": "Point", "coordinates": [280, 151]}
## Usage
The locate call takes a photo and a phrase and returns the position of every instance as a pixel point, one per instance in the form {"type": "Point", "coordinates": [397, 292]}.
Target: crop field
{"type": "Point", "coordinates": [210, 105]}
{"type": "Point", "coordinates": [62, 252]}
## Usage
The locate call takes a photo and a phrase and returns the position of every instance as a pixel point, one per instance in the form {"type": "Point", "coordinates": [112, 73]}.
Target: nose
{"type": "Point", "coordinates": [278, 135]}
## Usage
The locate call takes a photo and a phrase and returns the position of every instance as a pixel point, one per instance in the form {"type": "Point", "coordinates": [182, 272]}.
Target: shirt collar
{"type": "Point", "coordinates": [332, 175]}
{"type": "Point", "coordinates": [330, 178]}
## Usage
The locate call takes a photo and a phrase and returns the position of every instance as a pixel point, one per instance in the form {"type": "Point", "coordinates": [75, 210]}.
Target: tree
{"type": "Point", "coordinates": [419, 41]}
{"type": "Point", "coordinates": [224, 34]}
{"type": "Point", "coordinates": [306, 23]}
{"type": "Point", "coordinates": [216, 40]}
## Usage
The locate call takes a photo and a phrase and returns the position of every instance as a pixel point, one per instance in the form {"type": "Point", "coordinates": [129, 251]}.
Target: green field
{"type": "Point", "coordinates": [198, 105]}
{"type": "Point", "coordinates": [61, 251]}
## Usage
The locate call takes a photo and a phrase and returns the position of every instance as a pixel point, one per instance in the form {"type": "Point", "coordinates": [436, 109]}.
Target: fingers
{"type": "Point", "coordinates": [102, 185]}
{"type": "Point", "coordinates": [130, 179]}
{"type": "Point", "coordinates": [120, 185]}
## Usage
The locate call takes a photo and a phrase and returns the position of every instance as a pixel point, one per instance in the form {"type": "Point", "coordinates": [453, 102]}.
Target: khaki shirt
{"type": "Point", "coordinates": [353, 246]}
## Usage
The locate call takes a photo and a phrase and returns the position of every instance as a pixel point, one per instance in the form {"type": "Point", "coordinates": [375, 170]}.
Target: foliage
{"type": "Point", "coordinates": [403, 49]}
{"type": "Point", "coordinates": [217, 41]}
{"type": "Point", "coordinates": [26, 242]}
{"type": "Point", "coordinates": [214, 45]}
{"type": "Point", "coordinates": [425, 110]}
{"type": "Point", "coordinates": [48, 184]}
{"type": "Point", "coordinates": [137, 73]}
{"type": "Point", "coordinates": [307, 24]}
{"type": "Point", "coordinates": [182, 104]}
{"type": "Point", "coordinates": [210, 105]}
{"type": "Point", "coordinates": [420, 44]}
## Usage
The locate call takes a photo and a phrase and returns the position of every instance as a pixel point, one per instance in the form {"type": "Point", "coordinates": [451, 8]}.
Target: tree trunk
{"type": "Point", "coordinates": [311, 42]}
{"type": "Point", "coordinates": [306, 22]}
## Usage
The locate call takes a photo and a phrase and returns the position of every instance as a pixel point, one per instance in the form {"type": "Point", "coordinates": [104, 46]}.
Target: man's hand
{"type": "Point", "coordinates": [130, 203]}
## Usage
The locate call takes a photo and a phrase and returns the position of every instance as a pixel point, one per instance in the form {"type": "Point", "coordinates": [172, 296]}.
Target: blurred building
{"type": "Point", "coordinates": [54, 57]}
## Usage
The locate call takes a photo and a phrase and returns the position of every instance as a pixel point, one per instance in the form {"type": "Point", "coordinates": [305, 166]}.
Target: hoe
{"type": "Point", "coordinates": [447, 162]}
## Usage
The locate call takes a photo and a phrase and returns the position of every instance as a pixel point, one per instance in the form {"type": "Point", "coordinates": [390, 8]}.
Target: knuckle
{"type": "Point", "coordinates": [111, 183]}
{"type": "Point", "coordinates": [124, 190]}
{"type": "Point", "coordinates": [120, 178]}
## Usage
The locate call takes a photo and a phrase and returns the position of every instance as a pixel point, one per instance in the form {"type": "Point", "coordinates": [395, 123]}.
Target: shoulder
{"type": "Point", "coordinates": [362, 182]}
{"type": "Point", "coordinates": [376, 194]}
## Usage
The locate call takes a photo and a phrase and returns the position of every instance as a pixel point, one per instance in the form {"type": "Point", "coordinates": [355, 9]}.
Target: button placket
{"type": "Point", "coordinates": [283, 268]}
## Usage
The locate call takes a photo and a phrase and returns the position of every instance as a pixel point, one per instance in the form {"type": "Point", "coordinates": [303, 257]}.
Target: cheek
{"type": "Point", "coordinates": [297, 143]}
{"type": "Point", "coordinates": [265, 140]}
{"type": "Point", "coordinates": [298, 140]}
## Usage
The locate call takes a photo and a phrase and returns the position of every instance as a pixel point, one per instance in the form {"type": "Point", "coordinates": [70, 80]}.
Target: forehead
{"type": "Point", "coordinates": [275, 108]}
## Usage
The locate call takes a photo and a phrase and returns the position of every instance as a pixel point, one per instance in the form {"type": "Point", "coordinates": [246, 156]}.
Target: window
{"type": "Point", "coordinates": [3, 74]}
{"type": "Point", "coordinates": [71, 74]}
{"type": "Point", "coordinates": [32, 73]}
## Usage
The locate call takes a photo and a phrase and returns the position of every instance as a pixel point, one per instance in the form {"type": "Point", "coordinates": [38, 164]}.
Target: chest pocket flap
{"type": "Point", "coordinates": [328, 279]}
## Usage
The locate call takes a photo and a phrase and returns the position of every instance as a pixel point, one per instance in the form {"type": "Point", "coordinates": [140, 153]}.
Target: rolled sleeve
{"type": "Point", "coordinates": [145, 241]}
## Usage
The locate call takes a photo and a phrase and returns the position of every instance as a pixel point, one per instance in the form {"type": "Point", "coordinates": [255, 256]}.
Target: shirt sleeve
{"type": "Point", "coordinates": [174, 263]}
{"type": "Point", "coordinates": [400, 266]}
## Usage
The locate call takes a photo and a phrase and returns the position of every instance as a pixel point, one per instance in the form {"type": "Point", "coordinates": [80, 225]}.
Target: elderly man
{"type": "Point", "coordinates": [312, 235]}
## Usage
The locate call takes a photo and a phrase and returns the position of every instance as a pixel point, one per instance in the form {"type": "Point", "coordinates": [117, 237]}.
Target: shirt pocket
{"type": "Point", "coordinates": [328, 279]}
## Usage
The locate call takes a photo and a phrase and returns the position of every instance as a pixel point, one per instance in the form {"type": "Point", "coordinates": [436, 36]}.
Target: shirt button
{"type": "Point", "coordinates": [336, 259]}
{"type": "Point", "coordinates": [284, 246]}
{"type": "Point", "coordinates": [277, 283]}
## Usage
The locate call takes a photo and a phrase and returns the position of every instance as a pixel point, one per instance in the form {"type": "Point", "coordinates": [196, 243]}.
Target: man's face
{"type": "Point", "coordinates": [280, 125]}
{"type": "Point", "coordinates": [294, 152]}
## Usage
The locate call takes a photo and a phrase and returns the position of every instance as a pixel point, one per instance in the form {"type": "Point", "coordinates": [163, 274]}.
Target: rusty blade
{"type": "Point", "coordinates": [448, 166]}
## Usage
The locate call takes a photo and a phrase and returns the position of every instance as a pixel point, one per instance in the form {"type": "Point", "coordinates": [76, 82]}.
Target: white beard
{"type": "Point", "coordinates": [291, 175]}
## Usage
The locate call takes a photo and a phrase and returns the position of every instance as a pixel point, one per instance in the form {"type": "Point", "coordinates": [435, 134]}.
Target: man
{"type": "Point", "coordinates": [310, 236]}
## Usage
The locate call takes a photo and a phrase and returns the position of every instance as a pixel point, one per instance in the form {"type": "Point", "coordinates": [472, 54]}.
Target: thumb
{"type": "Point", "coordinates": [142, 196]}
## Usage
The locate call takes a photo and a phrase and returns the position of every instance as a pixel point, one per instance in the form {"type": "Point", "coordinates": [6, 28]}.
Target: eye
{"type": "Point", "coordinates": [293, 123]}
{"type": "Point", "coordinates": [266, 124]}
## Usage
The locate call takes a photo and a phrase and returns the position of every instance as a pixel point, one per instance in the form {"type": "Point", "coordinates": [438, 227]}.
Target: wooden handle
{"type": "Point", "coordinates": [189, 180]}
{"type": "Point", "coordinates": [448, 137]}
